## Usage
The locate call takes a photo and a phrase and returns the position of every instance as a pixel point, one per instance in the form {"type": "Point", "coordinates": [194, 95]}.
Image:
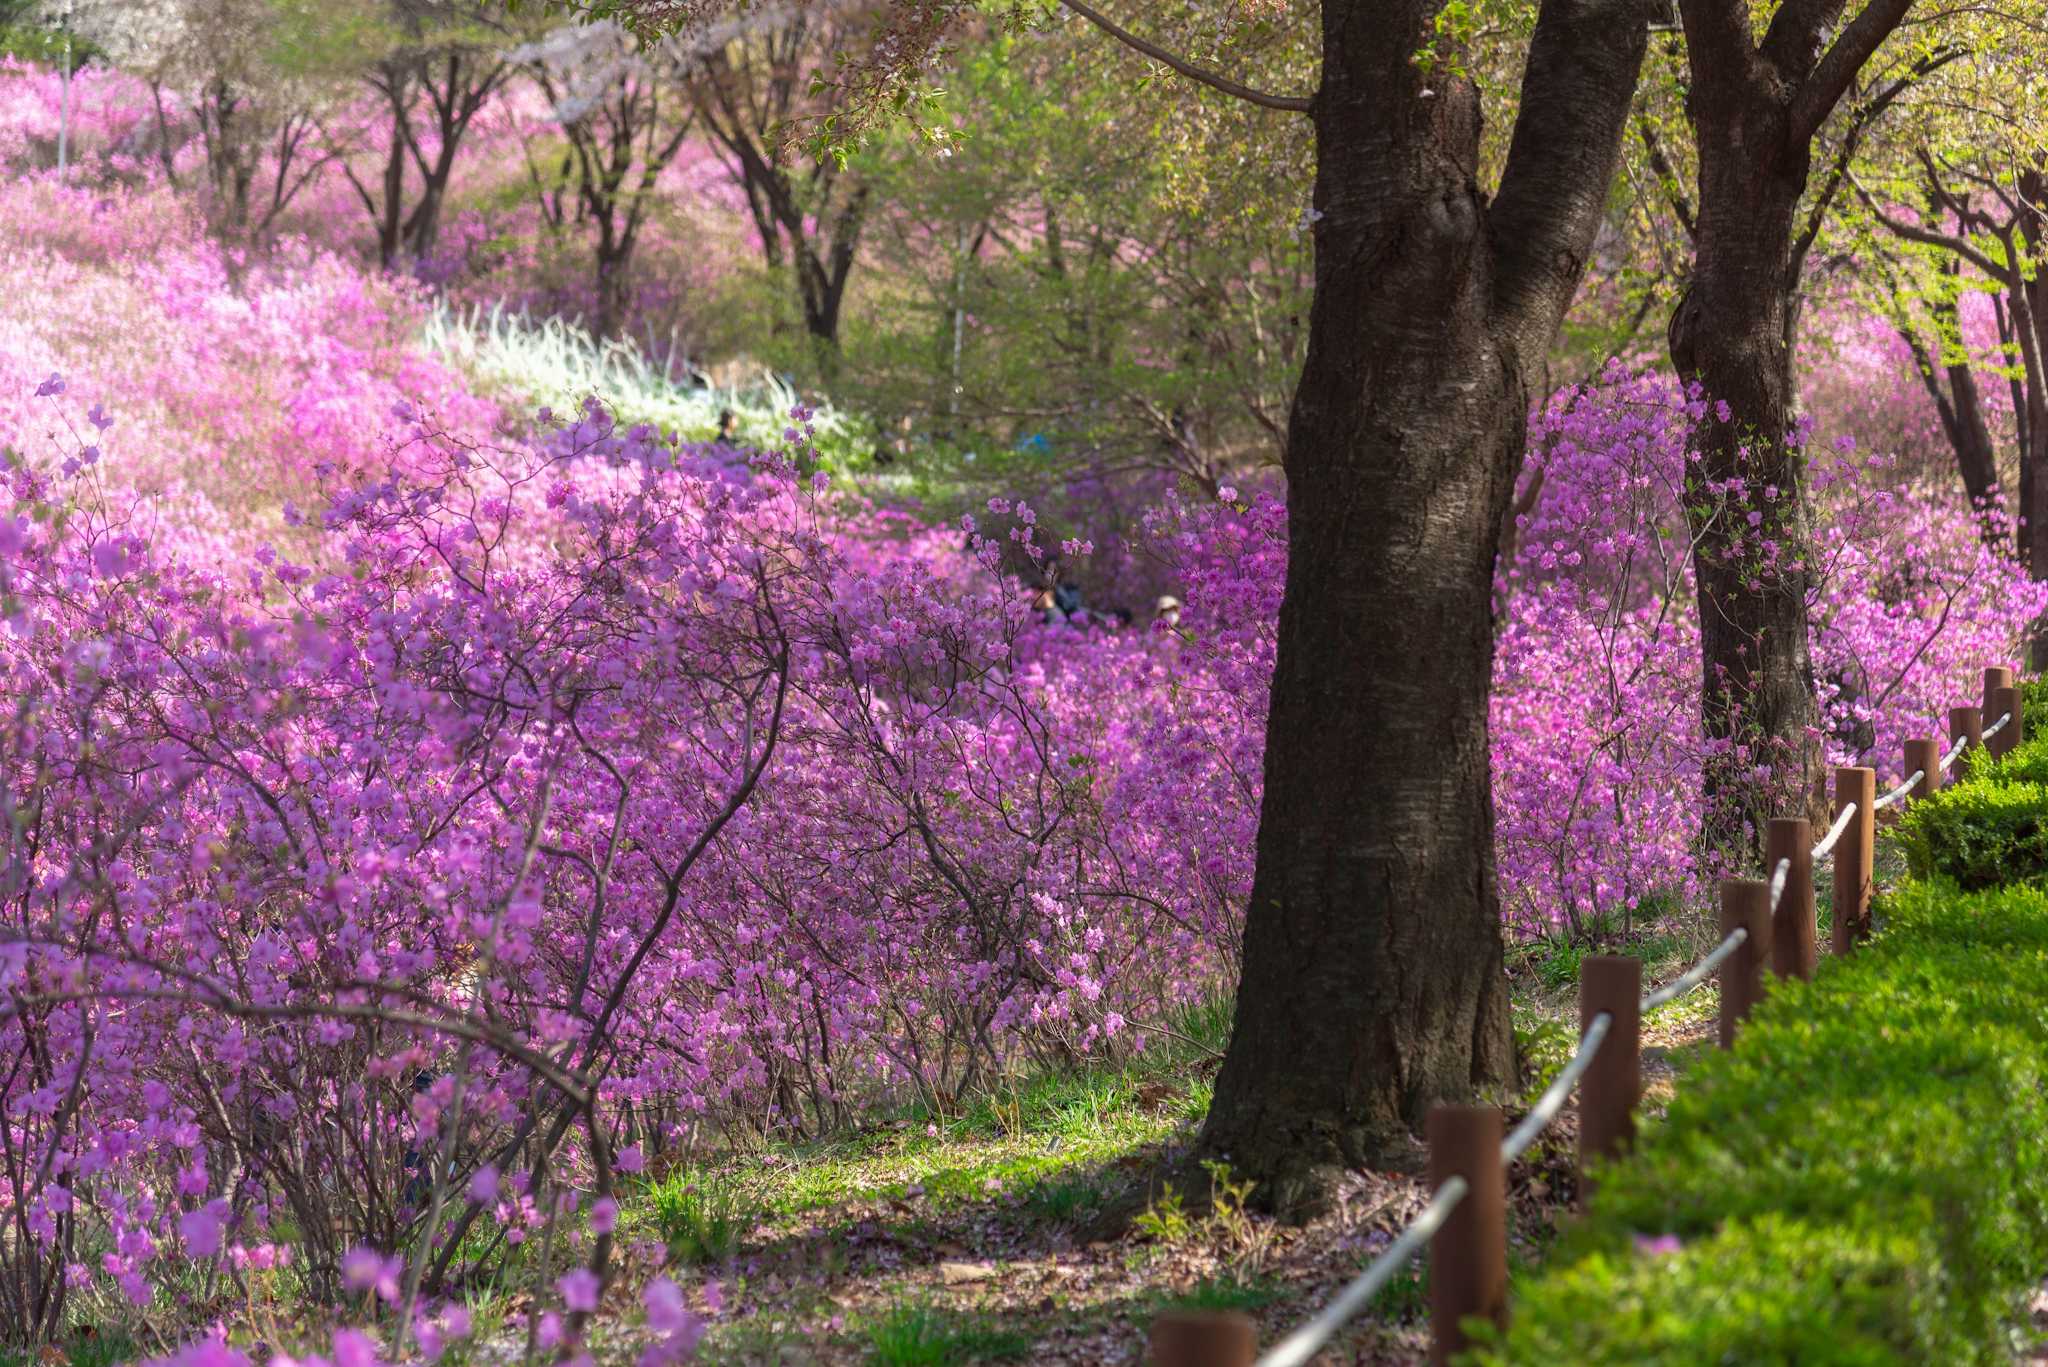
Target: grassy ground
{"type": "Point", "coordinates": [940, 1240]}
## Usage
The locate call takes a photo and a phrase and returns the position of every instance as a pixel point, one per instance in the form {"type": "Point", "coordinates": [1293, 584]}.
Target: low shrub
{"type": "Point", "coordinates": [1856, 1183]}
{"type": "Point", "coordinates": [1986, 832]}
{"type": "Point", "coordinates": [1991, 829]}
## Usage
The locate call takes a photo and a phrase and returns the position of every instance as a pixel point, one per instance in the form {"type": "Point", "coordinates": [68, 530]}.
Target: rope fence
{"type": "Point", "coordinates": [1465, 1223]}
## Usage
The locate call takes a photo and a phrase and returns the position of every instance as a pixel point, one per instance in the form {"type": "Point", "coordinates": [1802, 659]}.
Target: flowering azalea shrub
{"type": "Point", "coordinates": [1597, 682]}
{"type": "Point", "coordinates": [420, 880]}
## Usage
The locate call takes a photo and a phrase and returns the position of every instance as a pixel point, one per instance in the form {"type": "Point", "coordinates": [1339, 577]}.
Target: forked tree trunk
{"type": "Point", "coordinates": [1372, 976]}
{"type": "Point", "coordinates": [1755, 107]}
{"type": "Point", "coordinates": [1757, 703]}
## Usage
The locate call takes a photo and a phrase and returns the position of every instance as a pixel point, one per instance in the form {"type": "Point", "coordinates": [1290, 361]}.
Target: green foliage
{"type": "Point", "coordinates": [2034, 707]}
{"type": "Point", "coordinates": [1767, 1290]}
{"type": "Point", "coordinates": [1856, 1182]}
{"type": "Point", "coordinates": [701, 1216]}
{"type": "Point", "coordinates": [1164, 1218]}
{"type": "Point", "coordinates": [1992, 828]}
{"type": "Point", "coordinates": [918, 1334]}
{"type": "Point", "coordinates": [1405, 1297]}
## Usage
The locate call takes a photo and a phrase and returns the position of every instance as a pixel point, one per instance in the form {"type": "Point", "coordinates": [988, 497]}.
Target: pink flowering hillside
{"type": "Point", "coordinates": [491, 871]}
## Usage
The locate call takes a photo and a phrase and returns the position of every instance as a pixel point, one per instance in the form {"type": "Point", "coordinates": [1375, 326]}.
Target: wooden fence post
{"type": "Point", "coordinates": [1204, 1338]}
{"type": "Point", "coordinates": [1965, 721]}
{"type": "Point", "coordinates": [1995, 678]}
{"type": "Point", "coordinates": [1468, 1257]}
{"type": "Point", "coordinates": [1924, 756]}
{"type": "Point", "coordinates": [1853, 855]}
{"type": "Point", "coordinates": [2005, 701]}
{"type": "Point", "coordinates": [1792, 928]}
{"type": "Point", "coordinates": [1745, 902]}
{"type": "Point", "coordinates": [1608, 1093]}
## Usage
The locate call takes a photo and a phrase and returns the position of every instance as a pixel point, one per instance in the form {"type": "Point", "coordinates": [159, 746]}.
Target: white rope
{"type": "Point", "coordinates": [1997, 726]}
{"type": "Point", "coordinates": [1299, 1346]}
{"type": "Point", "coordinates": [1697, 974]}
{"type": "Point", "coordinates": [1953, 751]}
{"type": "Point", "coordinates": [1779, 875]}
{"type": "Point", "coordinates": [1552, 1101]}
{"type": "Point", "coordinates": [1905, 787]}
{"type": "Point", "coordinates": [1834, 834]}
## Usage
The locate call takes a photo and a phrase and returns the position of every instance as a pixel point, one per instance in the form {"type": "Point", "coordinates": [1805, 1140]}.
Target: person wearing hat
{"type": "Point", "coordinates": [1166, 612]}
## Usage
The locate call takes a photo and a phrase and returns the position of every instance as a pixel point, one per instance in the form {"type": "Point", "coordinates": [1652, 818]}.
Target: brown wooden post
{"type": "Point", "coordinates": [1924, 756]}
{"type": "Point", "coordinates": [1745, 902]}
{"type": "Point", "coordinates": [1792, 928]}
{"type": "Point", "coordinates": [1853, 856]}
{"type": "Point", "coordinates": [1468, 1257]}
{"type": "Point", "coordinates": [1610, 983]}
{"type": "Point", "coordinates": [2005, 701]}
{"type": "Point", "coordinates": [1995, 678]}
{"type": "Point", "coordinates": [1204, 1338]}
{"type": "Point", "coordinates": [1965, 721]}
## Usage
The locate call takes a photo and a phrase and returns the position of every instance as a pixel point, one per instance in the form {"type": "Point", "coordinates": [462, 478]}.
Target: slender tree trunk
{"type": "Point", "coordinates": [1976, 452]}
{"type": "Point", "coordinates": [614, 261]}
{"type": "Point", "coordinates": [2029, 307]}
{"type": "Point", "coordinates": [1372, 977]}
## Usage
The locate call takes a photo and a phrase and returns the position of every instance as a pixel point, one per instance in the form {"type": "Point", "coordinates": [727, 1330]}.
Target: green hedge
{"type": "Point", "coordinates": [1860, 1180]}
{"type": "Point", "coordinates": [1993, 829]}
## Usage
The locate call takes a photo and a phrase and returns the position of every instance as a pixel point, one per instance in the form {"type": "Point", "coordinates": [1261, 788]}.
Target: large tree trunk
{"type": "Point", "coordinates": [1755, 107]}
{"type": "Point", "coordinates": [1728, 334]}
{"type": "Point", "coordinates": [1372, 978]}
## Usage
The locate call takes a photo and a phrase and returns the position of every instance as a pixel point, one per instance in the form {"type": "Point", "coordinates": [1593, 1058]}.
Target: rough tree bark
{"type": "Point", "coordinates": [1372, 978]}
{"type": "Point", "coordinates": [1755, 108]}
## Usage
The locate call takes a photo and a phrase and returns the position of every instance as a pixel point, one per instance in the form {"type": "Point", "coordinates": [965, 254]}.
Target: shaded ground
{"type": "Point", "coordinates": [952, 1240]}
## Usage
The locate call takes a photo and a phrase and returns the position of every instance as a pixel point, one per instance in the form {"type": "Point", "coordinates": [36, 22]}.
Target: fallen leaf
{"type": "Point", "coordinates": [959, 1274]}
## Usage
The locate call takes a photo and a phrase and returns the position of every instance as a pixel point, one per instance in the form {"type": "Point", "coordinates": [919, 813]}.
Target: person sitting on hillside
{"type": "Point", "coordinates": [1045, 603]}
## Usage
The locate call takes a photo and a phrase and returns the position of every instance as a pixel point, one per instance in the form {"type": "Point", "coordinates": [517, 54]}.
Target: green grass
{"type": "Point", "coordinates": [1405, 1297]}
{"type": "Point", "coordinates": [919, 1334]}
{"type": "Point", "coordinates": [701, 1216]}
{"type": "Point", "coordinates": [1048, 1149]}
{"type": "Point", "coordinates": [90, 1350]}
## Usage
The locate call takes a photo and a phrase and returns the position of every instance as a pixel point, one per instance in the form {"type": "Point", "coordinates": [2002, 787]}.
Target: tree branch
{"type": "Point", "coordinates": [1819, 93]}
{"type": "Point", "coordinates": [1792, 43]}
{"type": "Point", "coordinates": [1927, 237]}
{"type": "Point", "coordinates": [1584, 61]}
{"type": "Point", "coordinates": [1667, 177]}
{"type": "Point", "coordinates": [1867, 113]}
{"type": "Point", "coordinates": [1294, 103]}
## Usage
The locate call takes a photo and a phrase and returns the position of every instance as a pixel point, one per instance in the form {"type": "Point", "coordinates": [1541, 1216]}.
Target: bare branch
{"type": "Point", "coordinates": [1293, 103]}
